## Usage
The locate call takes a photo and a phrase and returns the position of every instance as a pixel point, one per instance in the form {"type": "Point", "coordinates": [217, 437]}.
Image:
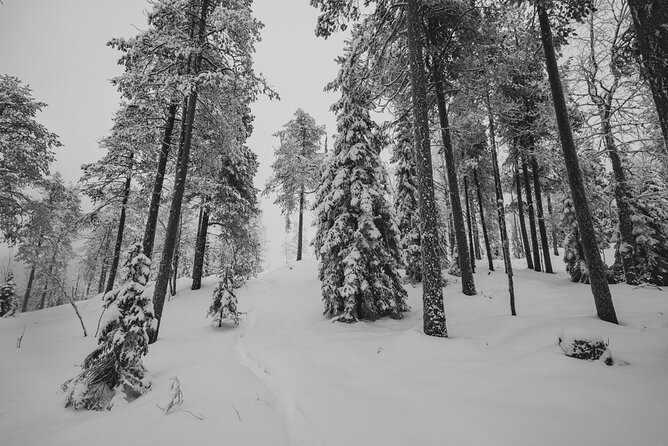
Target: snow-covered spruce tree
{"type": "Point", "coordinates": [573, 254]}
{"type": "Point", "coordinates": [357, 237]}
{"type": "Point", "coordinates": [115, 368]}
{"type": "Point", "coordinates": [8, 301]}
{"type": "Point", "coordinates": [574, 257]}
{"type": "Point", "coordinates": [405, 202]}
{"type": "Point", "coordinates": [650, 231]}
{"type": "Point", "coordinates": [224, 306]}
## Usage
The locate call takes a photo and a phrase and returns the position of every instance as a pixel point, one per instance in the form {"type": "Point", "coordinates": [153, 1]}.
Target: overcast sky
{"type": "Point", "coordinates": [59, 48]}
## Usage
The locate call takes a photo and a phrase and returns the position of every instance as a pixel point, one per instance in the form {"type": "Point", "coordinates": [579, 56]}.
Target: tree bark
{"type": "Point", "coordinates": [500, 209]}
{"type": "Point", "coordinates": [598, 280]}
{"type": "Point", "coordinates": [119, 236]}
{"type": "Point", "coordinates": [200, 247]}
{"type": "Point", "coordinates": [523, 227]}
{"type": "Point", "coordinates": [555, 239]}
{"type": "Point", "coordinates": [488, 248]}
{"type": "Point", "coordinates": [532, 219]}
{"type": "Point", "coordinates": [650, 20]}
{"type": "Point", "coordinates": [468, 222]}
{"type": "Point", "coordinates": [465, 262]}
{"type": "Point", "coordinates": [434, 323]}
{"type": "Point", "coordinates": [539, 213]}
{"type": "Point", "coordinates": [300, 234]}
{"type": "Point", "coordinates": [154, 207]}
{"type": "Point", "coordinates": [183, 161]}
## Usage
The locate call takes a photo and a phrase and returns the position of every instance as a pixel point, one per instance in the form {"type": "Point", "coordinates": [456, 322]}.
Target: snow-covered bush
{"type": "Point", "coordinates": [357, 238]}
{"type": "Point", "coordinates": [8, 301]}
{"type": "Point", "coordinates": [224, 306]}
{"type": "Point", "coordinates": [115, 368]}
{"type": "Point", "coordinates": [583, 344]}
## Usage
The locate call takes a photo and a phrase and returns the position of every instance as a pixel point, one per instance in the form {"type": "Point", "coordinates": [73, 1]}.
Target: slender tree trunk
{"type": "Point", "coordinates": [451, 237]}
{"type": "Point", "coordinates": [532, 219]}
{"type": "Point", "coordinates": [555, 239]}
{"type": "Point", "coordinates": [468, 222]}
{"type": "Point", "coordinates": [154, 207]}
{"type": "Point", "coordinates": [539, 213]}
{"type": "Point", "coordinates": [650, 20]}
{"type": "Point", "coordinates": [183, 161]}
{"type": "Point", "coordinates": [488, 248]}
{"type": "Point", "coordinates": [300, 234]}
{"type": "Point", "coordinates": [42, 300]}
{"type": "Point", "coordinates": [175, 266]}
{"type": "Point", "coordinates": [598, 280]}
{"type": "Point", "coordinates": [523, 227]}
{"type": "Point", "coordinates": [200, 247]}
{"type": "Point", "coordinates": [433, 310]}
{"type": "Point", "coordinates": [33, 268]}
{"type": "Point", "coordinates": [476, 233]}
{"type": "Point", "coordinates": [622, 197]}
{"type": "Point", "coordinates": [105, 261]}
{"type": "Point", "coordinates": [517, 242]}
{"type": "Point", "coordinates": [465, 261]}
{"type": "Point", "coordinates": [119, 236]}
{"type": "Point", "coordinates": [500, 209]}
{"type": "Point", "coordinates": [31, 278]}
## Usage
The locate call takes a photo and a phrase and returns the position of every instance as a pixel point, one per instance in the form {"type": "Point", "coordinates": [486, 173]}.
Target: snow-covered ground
{"type": "Point", "coordinates": [288, 376]}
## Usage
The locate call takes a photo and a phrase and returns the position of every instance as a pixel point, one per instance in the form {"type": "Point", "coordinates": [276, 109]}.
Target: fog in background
{"type": "Point", "coordinates": [59, 49]}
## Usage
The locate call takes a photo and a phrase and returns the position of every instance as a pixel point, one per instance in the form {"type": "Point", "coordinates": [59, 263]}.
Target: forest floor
{"type": "Point", "coordinates": [288, 376]}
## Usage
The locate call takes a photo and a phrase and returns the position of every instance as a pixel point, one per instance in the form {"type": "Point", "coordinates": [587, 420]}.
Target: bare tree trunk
{"type": "Point", "coordinates": [476, 231]}
{"type": "Point", "coordinates": [42, 300]}
{"type": "Point", "coordinates": [154, 207]}
{"type": "Point", "coordinates": [31, 278]}
{"type": "Point", "coordinates": [539, 213]}
{"type": "Point", "coordinates": [555, 239]}
{"type": "Point", "coordinates": [119, 236]}
{"type": "Point", "coordinates": [500, 209]}
{"type": "Point", "coordinates": [518, 249]}
{"type": "Point", "coordinates": [488, 248]}
{"type": "Point", "coordinates": [520, 211]}
{"type": "Point", "coordinates": [183, 161]}
{"type": "Point", "coordinates": [532, 219]}
{"type": "Point", "coordinates": [433, 310]}
{"type": "Point", "coordinates": [105, 261]}
{"type": "Point", "coordinates": [599, 283]}
{"type": "Point", "coordinates": [300, 234]}
{"type": "Point", "coordinates": [468, 222]}
{"type": "Point", "coordinates": [465, 261]}
{"type": "Point", "coordinates": [200, 247]}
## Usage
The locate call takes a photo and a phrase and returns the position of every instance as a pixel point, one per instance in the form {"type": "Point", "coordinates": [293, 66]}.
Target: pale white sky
{"type": "Point", "coordinates": [59, 48]}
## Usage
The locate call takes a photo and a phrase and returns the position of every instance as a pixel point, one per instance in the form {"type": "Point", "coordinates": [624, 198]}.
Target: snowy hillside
{"type": "Point", "coordinates": [288, 376]}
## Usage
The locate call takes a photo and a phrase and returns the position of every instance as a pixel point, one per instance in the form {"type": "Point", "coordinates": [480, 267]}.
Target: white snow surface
{"type": "Point", "coordinates": [296, 378]}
